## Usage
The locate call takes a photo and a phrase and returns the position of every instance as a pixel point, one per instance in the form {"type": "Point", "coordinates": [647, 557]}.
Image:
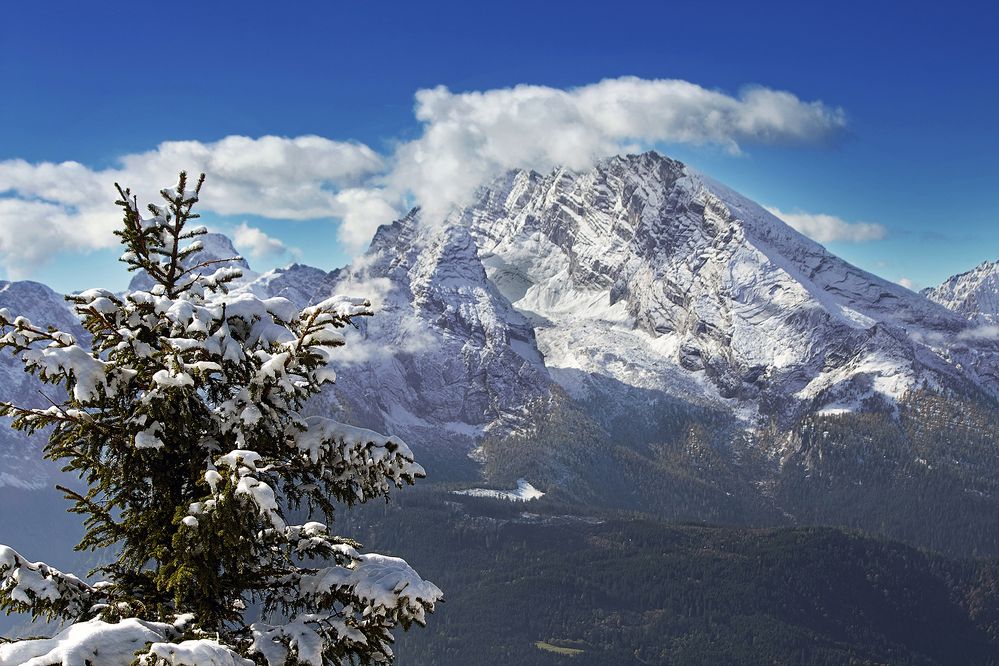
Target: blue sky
{"type": "Point", "coordinates": [95, 82]}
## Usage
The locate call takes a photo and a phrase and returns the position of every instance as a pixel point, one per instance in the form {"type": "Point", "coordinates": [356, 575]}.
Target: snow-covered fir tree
{"type": "Point", "coordinates": [182, 410]}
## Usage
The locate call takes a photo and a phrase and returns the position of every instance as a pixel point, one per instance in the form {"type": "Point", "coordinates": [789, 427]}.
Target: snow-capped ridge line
{"type": "Point", "coordinates": [973, 294]}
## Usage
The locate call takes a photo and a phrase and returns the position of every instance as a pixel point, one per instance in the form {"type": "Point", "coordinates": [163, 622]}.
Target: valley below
{"type": "Point", "coordinates": [534, 584]}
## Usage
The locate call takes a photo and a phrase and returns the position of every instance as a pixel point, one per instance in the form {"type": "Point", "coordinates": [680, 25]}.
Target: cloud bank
{"type": "Point", "coordinates": [828, 228]}
{"type": "Point", "coordinates": [469, 138]}
{"type": "Point", "coordinates": [466, 139]}
{"type": "Point", "coordinates": [47, 207]}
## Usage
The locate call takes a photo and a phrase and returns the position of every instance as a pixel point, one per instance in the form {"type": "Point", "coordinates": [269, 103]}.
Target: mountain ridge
{"type": "Point", "coordinates": [974, 293]}
{"type": "Point", "coordinates": [642, 337]}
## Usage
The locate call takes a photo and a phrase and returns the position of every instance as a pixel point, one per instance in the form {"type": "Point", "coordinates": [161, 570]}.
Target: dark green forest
{"type": "Point", "coordinates": [532, 584]}
{"type": "Point", "coordinates": [926, 474]}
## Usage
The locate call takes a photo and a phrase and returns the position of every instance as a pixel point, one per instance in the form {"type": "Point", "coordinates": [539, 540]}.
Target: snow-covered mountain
{"type": "Point", "coordinates": [639, 292]}
{"type": "Point", "coordinates": [974, 294]}
{"type": "Point", "coordinates": [643, 335]}
{"type": "Point", "coordinates": [639, 274]}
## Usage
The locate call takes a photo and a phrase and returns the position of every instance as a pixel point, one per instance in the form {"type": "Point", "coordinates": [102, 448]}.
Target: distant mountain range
{"type": "Point", "coordinates": [640, 336]}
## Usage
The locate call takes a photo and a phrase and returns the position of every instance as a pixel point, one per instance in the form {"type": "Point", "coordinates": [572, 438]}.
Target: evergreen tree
{"type": "Point", "coordinates": [183, 415]}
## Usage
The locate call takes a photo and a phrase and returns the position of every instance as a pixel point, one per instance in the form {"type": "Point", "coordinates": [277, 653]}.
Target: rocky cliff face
{"type": "Point", "coordinates": [447, 357]}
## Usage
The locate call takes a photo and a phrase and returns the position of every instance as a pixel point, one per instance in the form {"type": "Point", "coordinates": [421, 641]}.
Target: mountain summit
{"type": "Point", "coordinates": [641, 274]}
{"type": "Point", "coordinates": [974, 294]}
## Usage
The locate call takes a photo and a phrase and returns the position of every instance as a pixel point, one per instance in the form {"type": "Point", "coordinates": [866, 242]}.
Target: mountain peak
{"type": "Point", "coordinates": [695, 282]}
{"type": "Point", "coordinates": [973, 294]}
{"type": "Point", "coordinates": [638, 277]}
{"type": "Point", "coordinates": [215, 247]}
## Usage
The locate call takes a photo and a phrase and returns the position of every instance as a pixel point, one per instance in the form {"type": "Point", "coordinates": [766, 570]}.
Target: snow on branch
{"type": "Point", "coordinates": [339, 306]}
{"type": "Point", "coordinates": [60, 360]}
{"type": "Point", "coordinates": [201, 652]}
{"type": "Point", "coordinates": [387, 586]}
{"type": "Point", "coordinates": [130, 641]}
{"type": "Point", "coordinates": [250, 488]}
{"type": "Point", "coordinates": [314, 540]}
{"type": "Point", "coordinates": [361, 460]}
{"type": "Point", "coordinates": [182, 411]}
{"type": "Point", "coordinates": [37, 588]}
{"type": "Point", "coordinates": [304, 639]}
{"type": "Point", "coordinates": [92, 642]}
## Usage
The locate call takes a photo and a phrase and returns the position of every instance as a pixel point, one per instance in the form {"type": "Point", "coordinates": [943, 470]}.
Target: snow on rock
{"type": "Point", "coordinates": [524, 492]}
{"type": "Point", "coordinates": [447, 356]}
{"type": "Point", "coordinates": [298, 283]}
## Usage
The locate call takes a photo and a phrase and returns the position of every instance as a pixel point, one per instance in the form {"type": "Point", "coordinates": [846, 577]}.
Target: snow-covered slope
{"type": "Point", "coordinates": [639, 274]}
{"type": "Point", "coordinates": [524, 492]}
{"type": "Point", "coordinates": [974, 294]}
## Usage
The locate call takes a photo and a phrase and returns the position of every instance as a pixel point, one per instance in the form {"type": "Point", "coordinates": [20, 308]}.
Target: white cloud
{"type": "Point", "coordinates": [404, 333]}
{"type": "Point", "coordinates": [826, 228]}
{"type": "Point", "coordinates": [907, 283]}
{"type": "Point", "coordinates": [467, 139]}
{"type": "Point", "coordinates": [408, 335]}
{"type": "Point", "coordinates": [47, 207]}
{"type": "Point", "coordinates": [361, 211]}
{"type": "Point", "coordinates": [31, 231]}
{"type": "Point", "coordinates": [258, 243]}
{"type": "Point", "coordinates": [270, 176]}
